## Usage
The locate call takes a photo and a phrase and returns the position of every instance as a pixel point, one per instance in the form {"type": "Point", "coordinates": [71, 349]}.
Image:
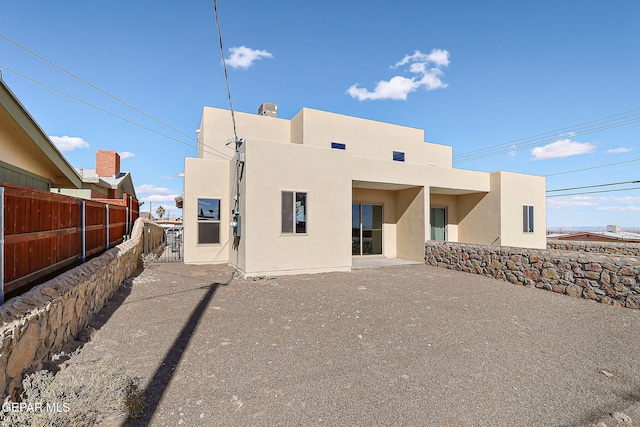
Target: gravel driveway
{"type": "Point", "coordinates": [413, 345]}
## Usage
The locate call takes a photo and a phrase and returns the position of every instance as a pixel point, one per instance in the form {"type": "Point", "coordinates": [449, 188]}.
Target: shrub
{"type": "Point", "coordinates": [85, 397]}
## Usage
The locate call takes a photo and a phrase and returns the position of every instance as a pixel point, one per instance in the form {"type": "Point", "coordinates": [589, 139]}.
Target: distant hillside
{"type": "Point", "coordinates": [570, 229]}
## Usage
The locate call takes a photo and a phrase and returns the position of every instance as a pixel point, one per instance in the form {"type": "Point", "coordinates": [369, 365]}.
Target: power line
{"type": "Point", "coordinates": [556, 131]}
{"type": "Point", "coordinates": [111, 113]}
{"type": "Point", "coordinates": [93, 86]}
{"type": "Point", "coordinates": [224, 66]}
{"type": "Point", "coordinates": [609, 122]}
{"type": "Point", "coordinates": [235, 212]}
{"type": "Point", "coordinates": [593, 167]}
{"type": "Point", "coordinates": [223, 155]}
{"type": "Point", "coordinates": [594, 186]}
{"type": "Point", "coordinates": [593, 192]}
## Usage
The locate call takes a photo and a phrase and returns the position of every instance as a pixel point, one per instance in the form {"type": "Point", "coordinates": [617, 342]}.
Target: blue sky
{"type": "Point", "coordinates": [471, 74]}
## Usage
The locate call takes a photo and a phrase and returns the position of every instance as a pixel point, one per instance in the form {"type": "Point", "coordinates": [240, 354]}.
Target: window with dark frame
{"type": "Point", "coordinates": [398, 156]}
{"type": "Point", "coordinates": [208, 221]}
{"type": "Point", "coordinates": [294, 212]}
{"type": "Point", "coordinates": [527, 219]}
{"type": "Point", "coordinates": [338, 146]}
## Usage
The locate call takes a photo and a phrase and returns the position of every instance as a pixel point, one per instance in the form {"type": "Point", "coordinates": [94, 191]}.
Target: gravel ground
{"type": "Point", "coordinates": [412, 345]}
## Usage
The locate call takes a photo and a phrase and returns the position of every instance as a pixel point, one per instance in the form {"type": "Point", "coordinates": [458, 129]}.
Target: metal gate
{"type": "Point", "coordinates": [173, 251]}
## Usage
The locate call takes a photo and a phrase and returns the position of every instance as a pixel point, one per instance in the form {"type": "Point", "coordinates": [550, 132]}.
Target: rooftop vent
{"type": "Point", "coordinates": [267, 109]}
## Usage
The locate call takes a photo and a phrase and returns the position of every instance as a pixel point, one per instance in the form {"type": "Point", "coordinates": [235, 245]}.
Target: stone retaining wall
{"type": "Point", "coordinates": [34, 326]}
{"type": "Point", "coordinates": [617, 248]}
{"type": "Point", "coordinates": [609, 279]}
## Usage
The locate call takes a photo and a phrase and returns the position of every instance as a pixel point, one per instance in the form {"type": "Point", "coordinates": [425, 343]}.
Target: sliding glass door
{"type": "Point", "coordinates": [366, 229]}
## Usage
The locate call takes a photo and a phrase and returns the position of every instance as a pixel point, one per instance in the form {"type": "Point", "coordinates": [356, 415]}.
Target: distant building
{"type": "Point", "coordinates": [599, 236]}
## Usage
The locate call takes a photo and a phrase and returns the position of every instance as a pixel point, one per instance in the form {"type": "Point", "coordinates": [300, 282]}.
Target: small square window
{"type": "Point", "coordinates": [398, 156]}
{"type": "Point", "coordinates": [338, 146]}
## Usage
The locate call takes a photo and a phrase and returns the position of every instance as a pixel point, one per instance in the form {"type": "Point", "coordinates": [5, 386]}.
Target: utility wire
{"type": "Point", "coordinates": [556, 131]}
{"type": "Point", "coordinates": [110, 113]}
{"type": "Point", "coordinates": [593, 192]}
{"type": "Point", "coordinates": [609, 122]}
{"type": "Point", "coordinates": [93, 86]}
{"type": "Point", "coordinates": [593, 167]}
{"type": "Point", "coordinates": [225, 156]}
{"type": "Point", "coordinates": [550, 139]}
{"type": "Point", "coordinates": [224, 66]}
{"type": "Point", "coordinates": [594, 186]}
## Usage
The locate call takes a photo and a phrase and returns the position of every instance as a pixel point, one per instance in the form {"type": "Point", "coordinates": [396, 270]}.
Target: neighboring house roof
{"type": "Point", "coordinates": [123, 180]}
{"type": "Point", "coordinates": [607, 236]}
{"type": "Point", "coordinates": [25, 146]}
{"type": "Point", "coordinates": [146, 215]}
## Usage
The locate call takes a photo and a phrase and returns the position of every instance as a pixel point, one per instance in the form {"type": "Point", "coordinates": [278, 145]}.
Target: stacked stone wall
{"type": "Point", "coordinates": [34, 326]}
{"type": "Point", "coordinates": [608, 279]}
{"type": "Point", "coordinates": [612, 248]}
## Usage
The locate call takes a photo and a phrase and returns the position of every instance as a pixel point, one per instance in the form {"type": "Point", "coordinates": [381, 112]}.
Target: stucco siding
{"type": "Point", "coordinates": [323, 174]}
{"type": "Point", "coordinates": [205, 178]}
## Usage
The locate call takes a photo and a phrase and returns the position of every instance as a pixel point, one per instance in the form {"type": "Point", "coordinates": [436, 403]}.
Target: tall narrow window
{"type": "Point", "coordinates": [208, 221]}
{"type": "Point", "coordinates": [398, 156]}
{"type": "Point", "coordinates": [294, 212]}
{"type": "Point", "coordinates": [527, 219]}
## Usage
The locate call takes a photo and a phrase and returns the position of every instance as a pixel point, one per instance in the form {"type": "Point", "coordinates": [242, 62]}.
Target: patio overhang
{"type": "Point", "coordinates": [371, 185]}
{"type": "Point", "coordinates": [454, 191]}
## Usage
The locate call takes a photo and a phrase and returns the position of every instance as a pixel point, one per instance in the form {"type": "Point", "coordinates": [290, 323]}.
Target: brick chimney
{"type": "Point", "coordinates": [107, 163]}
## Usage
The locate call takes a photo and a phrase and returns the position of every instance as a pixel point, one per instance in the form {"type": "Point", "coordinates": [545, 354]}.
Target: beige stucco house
{"type": "Point", "coordinates": [317, 190]}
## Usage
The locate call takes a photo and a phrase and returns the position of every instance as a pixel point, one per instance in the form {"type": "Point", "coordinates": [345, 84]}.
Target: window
{"type": "Point", "coordinates": [527, 219]}
{"type": "Point", "coordinates": [338, 146]}
{"type": "Point", "coordinates": [208, 221]}
{"type": "Point", "coordinates": [294, 212]}
{"type": "Point", "coordinates": [398, 156]}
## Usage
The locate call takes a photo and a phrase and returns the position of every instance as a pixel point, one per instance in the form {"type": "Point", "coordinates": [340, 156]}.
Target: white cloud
{"type": "Point", "coordinates": [619, 208]}
{"type": "Point", "coordinates": [562, 202]}
{"type": "Point", "coordinates": [427, 68]}
{"type": "Point", "coordinates": [626, 199]}
{"type": "Point", "coordinates": [619, 150]}
{"type": "Point", "coordinates": [68, 143]}
{"type": "Point", "coordinates": [562, 148]}
{"type": "Point", "coordinates": [244, 57]}
{"type": "Point", "coordinates": [438, 57]}
{"type": "Point", "coordinates": [157, 198]}
{"type": "Point", "coordinates": [513, 150]}
{"type": "Point", "coordinates": [126, 154]}
{"type": "Point", "coordinates": [153, 190]}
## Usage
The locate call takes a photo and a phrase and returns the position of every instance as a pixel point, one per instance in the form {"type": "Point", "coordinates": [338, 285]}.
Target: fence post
{"type": "Point", "coordinates": [126, 223]}
{"type": "Point", "coordinates": [106, 246]}
{"type": "Point", "coordinates": [1, 245]}
{"type": "Point", "coordinates": [83, 231]}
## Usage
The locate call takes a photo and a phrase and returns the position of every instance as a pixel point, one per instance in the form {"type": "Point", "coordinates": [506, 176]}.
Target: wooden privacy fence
{"type": "Point", "coordinates": [43, 232]}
